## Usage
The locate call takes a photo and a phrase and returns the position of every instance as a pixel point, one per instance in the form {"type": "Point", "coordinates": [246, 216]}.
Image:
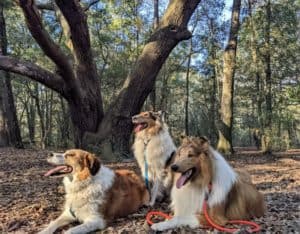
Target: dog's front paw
{"type": "Point", "coordinates": [159, 226]}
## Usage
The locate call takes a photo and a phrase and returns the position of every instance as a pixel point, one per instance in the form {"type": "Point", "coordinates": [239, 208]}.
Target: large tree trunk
{"type": "Point", "coordinates": [225, 131]}
{"type": "Point", "coordinates": [9, 108]}
{"type": "Point", "coordinates": [116, 125]}
{"type": "Point", "coordinates": [77, 80]}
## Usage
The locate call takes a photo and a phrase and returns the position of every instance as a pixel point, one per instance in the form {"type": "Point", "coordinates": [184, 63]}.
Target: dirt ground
{"type": "Point", "coordinates": [29, 201]}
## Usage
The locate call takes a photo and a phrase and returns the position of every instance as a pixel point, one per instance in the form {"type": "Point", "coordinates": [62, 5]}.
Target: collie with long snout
{"type": "Point", "coordinates": [201, 171]}
{"type": "Point", "coordinates": [95, 194]}
{"type": "Point", "coordinates": [153, 149]}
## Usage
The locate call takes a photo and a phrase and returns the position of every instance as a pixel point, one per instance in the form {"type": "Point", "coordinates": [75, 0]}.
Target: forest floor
{"type": "Point", "coordinates": [29, 201]}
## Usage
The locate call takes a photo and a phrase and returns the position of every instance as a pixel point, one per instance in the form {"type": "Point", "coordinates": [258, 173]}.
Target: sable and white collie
{"type": "Point", "coordinates": [95, 194]}
{"type": "Point", "coordinates": [153, 149]}
{"type": "Point", "coordinates": [197, 168]}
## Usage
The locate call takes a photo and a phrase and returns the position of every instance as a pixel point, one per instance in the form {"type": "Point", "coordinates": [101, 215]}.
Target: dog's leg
{"type": "Point", "coordinates": [177, 221]}
{"type": "Point", "coordinates": [154, 192]}
{"type": "Point", "coordinates": [92, 224]}
{"type": "Point", "coordinates": [64, 219]}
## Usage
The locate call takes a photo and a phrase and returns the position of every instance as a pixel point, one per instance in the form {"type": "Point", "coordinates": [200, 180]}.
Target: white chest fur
{"type": "Point", "coordinates": [187, 200]}
{"type": "Point", "coordinates": [84, 198]}
{"type": "Point", "coordinates": [156, 149]}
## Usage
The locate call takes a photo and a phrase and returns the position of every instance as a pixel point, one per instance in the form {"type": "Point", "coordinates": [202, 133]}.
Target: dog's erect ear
{"type": "Point", "coordinates": [185, 140]}
{"type": "Point", "coordinates": [158, 114]}
{"type": "Point", "coordinates": [202, 142]}
{"type": "Point", "coordinates": [93, 163]}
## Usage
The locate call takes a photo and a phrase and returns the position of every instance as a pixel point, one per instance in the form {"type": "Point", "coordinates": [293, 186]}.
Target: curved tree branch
{"type": "Point", "coordinates": [34, 72]}
{"type": "Point", "coordinates": [50, 48]}
{"type": "Point", "coordinates": [76, 19]}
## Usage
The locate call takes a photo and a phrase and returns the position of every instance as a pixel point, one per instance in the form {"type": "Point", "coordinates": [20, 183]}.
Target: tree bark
{"type": "Point", "coordinates": [30, 113]}
{"type": "Point", "coordinates": [257, 133]}
{"type": "Point", "coordinates": [152, 95]}
{"type": "Point", "coordinates": [3, 127]}
{"type": "Point", "coordinates": [187, 89]}
{"type": "Point", "coordinates": [139, 83]}
{"type": "Point", "coordinates": [267, 134]}
{"type": "Point", "coordinates": [77, 80]}
{"type": "Point", "coordinates": [225, 130]}
{"type": "Point", "coordinates": [9, 108]}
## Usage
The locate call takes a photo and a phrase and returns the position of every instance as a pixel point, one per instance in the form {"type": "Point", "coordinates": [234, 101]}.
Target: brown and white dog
{"type": "Point", "coordinates": [198, 166]}
{"type": "Point", "coordinates": [95, 194]}
{"type": "Point", "coordinates": [153, 149]}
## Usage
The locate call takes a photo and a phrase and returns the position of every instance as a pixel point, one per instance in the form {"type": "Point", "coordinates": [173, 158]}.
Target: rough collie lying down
{"type": "Point", "coordinates": [95, 194]}
{"type": "Point", "coordinates": [153, 149]}
{"type": "Point", "coordinates": [232, 195]}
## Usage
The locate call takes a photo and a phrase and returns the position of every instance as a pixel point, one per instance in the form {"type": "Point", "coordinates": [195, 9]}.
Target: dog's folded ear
{"type": "Point", "coordinates": [93, 163]}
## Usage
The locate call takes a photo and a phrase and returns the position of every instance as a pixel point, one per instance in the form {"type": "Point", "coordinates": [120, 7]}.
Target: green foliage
{"type": "Point", "coordinates": [118, 32]}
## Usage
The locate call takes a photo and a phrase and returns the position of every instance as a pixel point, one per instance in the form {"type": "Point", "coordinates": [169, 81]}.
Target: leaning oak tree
{"type": "Point", "coordinates": [77, 79]}
{"type": "Point", "coordinates": [225, 128]}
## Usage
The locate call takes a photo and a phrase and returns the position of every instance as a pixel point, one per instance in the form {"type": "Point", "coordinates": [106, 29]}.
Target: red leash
{"type": "Point", "coordinates": [255, 226]}
{"type": "Point", "coordinates": [156, 213]}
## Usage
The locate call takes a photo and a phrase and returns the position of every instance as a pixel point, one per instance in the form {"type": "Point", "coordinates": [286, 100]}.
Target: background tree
{"type": "Point", "coordinates": [8, 114]}
{"type": "Point", "coordinates": [225, 131]}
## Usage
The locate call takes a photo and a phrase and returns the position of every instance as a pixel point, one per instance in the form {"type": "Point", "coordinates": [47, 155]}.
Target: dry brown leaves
{"type": "Point", "coordinates": [29, 201]}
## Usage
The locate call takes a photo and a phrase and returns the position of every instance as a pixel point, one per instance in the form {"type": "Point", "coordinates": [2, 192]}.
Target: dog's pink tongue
{"type": "Point", "coordinates": [56, 169]}
{"type": "Point", "coordinates": [181, 181]}
{"type": "Point", "coordinates": [138, 128]}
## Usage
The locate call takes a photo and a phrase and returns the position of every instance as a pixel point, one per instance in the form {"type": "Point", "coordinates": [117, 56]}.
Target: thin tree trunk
{"type": "Point", "coordinates": [267, 137]}
{"type": "Point", "coordinates": [152, 95]}
{"type": "Point", "coordinates": [64, 125]}
{"type": "Point", "coordinates": [7, 94]}
{"type": "Point", "coordinates": [30, 114]}
{"type": "Point", "coordinates": [214, 92]}
{"type": "Point", "coordinates": [164, 89]}
{"type": "Point", "coordinates": [187, 87]}
{"type": "Point", "coordinates": [257, 134]}
{"type": "Point", "coordinates": [3, 127]}
{"type": "Point", "coordinates": [213, 104]}
{"type": "Point", "coordinates": [225, 130]}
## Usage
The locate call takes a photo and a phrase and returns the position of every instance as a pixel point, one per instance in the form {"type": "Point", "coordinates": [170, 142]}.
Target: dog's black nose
{"type": "Point", "coordinates": [174, 167]}
{"type": "Point", "coordinates": [133, 118]}
{"type": "Point", "coordinates": [50, 154]}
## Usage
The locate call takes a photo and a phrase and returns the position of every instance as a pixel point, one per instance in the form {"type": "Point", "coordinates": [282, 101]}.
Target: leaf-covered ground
{"type": "Point", "coordinates": [29, 201]}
